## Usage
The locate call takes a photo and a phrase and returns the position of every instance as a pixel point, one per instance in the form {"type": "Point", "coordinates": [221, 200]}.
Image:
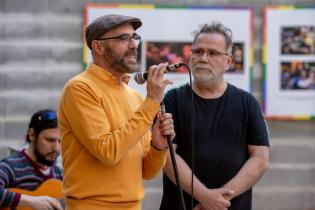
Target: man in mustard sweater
{"type": "Point", "coordinates": [107, 146]}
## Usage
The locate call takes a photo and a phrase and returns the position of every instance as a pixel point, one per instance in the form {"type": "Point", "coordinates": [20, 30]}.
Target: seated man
{"type": "Point", "coordinates": [29, 168]}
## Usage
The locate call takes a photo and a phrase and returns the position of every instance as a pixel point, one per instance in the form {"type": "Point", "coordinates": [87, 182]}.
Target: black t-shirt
{"type": "Point", "coordinates": [224, 127]}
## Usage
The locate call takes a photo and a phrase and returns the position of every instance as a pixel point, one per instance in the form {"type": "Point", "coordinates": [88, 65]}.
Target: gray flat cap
{"type": "Point", "coordinates": [103, 24]}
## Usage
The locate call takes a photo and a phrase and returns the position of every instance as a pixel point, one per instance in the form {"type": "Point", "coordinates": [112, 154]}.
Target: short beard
{"type": "Point", "coordinates": [208, 82]}
{"type": "Point", "coordinates": [40, 158]}
{"type": "Point", "coordinates": [118, 63]}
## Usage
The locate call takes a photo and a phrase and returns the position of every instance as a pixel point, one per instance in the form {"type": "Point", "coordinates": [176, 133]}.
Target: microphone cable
{"type": "Point", "coordinates": [140, 79]}
{"type": "Point", "coordinates": [192, 135]}
{"type": "Point", "coordinates": [175, 168]}
{"type": "Point", "coordinates": [192, 142]}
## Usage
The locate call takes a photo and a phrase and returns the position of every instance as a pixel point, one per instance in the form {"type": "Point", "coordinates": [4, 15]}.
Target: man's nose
{"type": "Point", "coordinates": [204, 56]}
{"type": "Point", "coordinates": [133, 43]}
{"type": "Point", "coordinates": [57, 145]}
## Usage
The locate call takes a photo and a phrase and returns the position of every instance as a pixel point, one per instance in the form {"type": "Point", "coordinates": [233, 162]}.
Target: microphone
{"type": "Point", "coordinates": [141, 77]}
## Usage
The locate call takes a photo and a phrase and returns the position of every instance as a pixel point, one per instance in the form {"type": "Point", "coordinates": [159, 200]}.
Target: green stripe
{"type": "Point", "coordinates": [165, 6]}
{"type": "Point", "coordinates": [302, 7]}
{"type": "Point", "coordinates": [84, 66]}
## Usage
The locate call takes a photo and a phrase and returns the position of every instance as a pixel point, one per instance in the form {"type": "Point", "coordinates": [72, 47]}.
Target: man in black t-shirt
{"type": "Point", "coordinates": [230, 134]}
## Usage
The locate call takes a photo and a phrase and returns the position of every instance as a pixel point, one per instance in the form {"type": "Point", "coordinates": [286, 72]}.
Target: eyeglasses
{"type": "Point", "coordinates": [125, 38]}
{"type": "Point", "coordinates": [48, 116]}
{"type": "Point", "coordinates": [211, 53]}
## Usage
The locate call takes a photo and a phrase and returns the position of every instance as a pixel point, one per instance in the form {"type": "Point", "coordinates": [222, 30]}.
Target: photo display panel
{"type": "Point", "coordinates": [166, 36]}
{"type": "Point", "coordinates": [289, 63]}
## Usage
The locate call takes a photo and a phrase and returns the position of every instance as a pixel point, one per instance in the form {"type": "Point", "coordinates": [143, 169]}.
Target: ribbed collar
{"type": "Point", "coordinates": [105, 75]}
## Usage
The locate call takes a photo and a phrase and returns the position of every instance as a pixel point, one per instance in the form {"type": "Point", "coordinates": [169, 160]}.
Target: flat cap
{"type": "Point", "coordinates": [105, 23]}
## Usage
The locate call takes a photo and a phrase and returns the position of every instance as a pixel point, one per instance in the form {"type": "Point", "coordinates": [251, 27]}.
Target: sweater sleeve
{"type": "Point", "coordinates": [80, 107]}
{"type": "Point", "coordinates": [153, 160]}
{"type": "Point", "coordinates": [7, 198]}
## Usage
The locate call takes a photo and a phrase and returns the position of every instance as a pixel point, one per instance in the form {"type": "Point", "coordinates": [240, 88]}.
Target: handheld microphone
{"type": "Point", "coordinates": [141, 77]}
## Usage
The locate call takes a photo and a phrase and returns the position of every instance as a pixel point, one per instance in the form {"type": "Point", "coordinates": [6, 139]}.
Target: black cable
{"type": "Point", "coordinates": [179, 189]}
{"type": "Point", "coordinates": [172, 153]}
{"type": "Point", "coordinates": [192, 136]}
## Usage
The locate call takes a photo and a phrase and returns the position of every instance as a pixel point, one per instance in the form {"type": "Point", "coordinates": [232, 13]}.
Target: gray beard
{"type": "Point", "coordinates": [206, 83]}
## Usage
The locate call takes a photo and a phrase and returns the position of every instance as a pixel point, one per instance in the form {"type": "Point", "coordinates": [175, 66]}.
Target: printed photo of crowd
{"type": "Point", "coordinates": [297, 75]}
{"type": "Point", "coordinates": [298, 40]}
{"type": "Point", "coordinates": [175, 52]}
{"type": "Point", "coordinates": [171, 52]}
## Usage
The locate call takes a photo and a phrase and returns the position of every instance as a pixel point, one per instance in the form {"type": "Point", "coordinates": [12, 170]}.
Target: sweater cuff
{"type": "Point", "coordinates": [16, 199]}
{"type": "Point", "coordinates": [154, 147]}
{"type": "Point", "coordinates": [157, 154]}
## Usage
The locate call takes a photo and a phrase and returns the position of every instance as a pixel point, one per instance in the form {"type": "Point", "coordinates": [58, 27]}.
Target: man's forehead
{"type": "Point", "coordinates": [211, 36]}
{"type": "Point", "coordinates": [210, 40]}
{"type": "Point", "coordinates": [51, 131]}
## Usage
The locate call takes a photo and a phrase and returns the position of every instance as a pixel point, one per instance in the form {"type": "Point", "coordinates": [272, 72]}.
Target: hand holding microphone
{"type": "Point", "coordinates": [163, 130]}
{"type": "Point", "coordinates": [156, 83]}
{"type": "Point", "coordinates": [141, 77]}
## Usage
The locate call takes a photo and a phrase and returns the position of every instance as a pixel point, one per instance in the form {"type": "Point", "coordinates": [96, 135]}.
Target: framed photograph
{"type": "Point", "coordinates": [289, 63]}
{"type": "Point", "coordinates": [297, 75]}
{"type": "Point", "coordinates": [171, 52]}
{"type": "Point", "coordinates": [237, 66]}
{"type": "Point", "coordinates": [297, 40]}
{"type": "Point", "coordinates": [166, 36]}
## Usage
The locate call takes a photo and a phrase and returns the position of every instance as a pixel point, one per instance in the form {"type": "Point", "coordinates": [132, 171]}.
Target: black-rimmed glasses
{"type": "Point", "coordinates": [198, 52]}
{"type": "Point", "coordinates": [125, 38]}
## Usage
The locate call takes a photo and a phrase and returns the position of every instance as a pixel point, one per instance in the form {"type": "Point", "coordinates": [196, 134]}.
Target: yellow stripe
{"type": "Point", "coordinates": [264, 54]}
{"type": "Point", "coordinates": [302, 117]}
{"type": "Point", "coordinates": [137, 6]}
{"type": "Point", "coordinates": [286, 7]}
{"type": "Point", "coordinates": [85, 50]}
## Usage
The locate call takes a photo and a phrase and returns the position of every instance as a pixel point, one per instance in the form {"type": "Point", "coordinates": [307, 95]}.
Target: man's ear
{"type": "Point", "coordinates": [229, 61]}
{"type": "Point", "coordinates": [31, 134]}
{"type": "Point", "coordinates": [97, 47]}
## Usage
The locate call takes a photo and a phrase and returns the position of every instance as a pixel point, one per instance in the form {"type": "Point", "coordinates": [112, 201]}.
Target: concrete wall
{"type": "Point", "coordinates": [41, 48]}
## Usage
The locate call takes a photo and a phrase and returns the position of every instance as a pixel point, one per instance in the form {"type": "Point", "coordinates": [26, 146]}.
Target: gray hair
{"type": "Point", "coordinates": [219, 28]}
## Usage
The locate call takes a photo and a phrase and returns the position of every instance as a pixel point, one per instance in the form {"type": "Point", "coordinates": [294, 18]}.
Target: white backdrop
{"type": "Point", "coordinates": [279, 103]}
{"type": "Point", "coordinates": [177, 24]}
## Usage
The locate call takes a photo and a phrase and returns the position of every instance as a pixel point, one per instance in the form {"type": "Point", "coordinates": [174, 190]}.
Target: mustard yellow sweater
{"type": "Point", "coordinates": [105, 140]}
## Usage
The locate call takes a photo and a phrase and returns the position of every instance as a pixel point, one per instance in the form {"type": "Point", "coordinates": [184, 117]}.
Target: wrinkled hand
{"type": "Point", "coordinates": [40, 202]}
{"type": "Point", "coordinates": [162, 128]}
{"type": "Point", "coordinates": [215, 199]}
{"type": "Point", "coordinates": [155, 82]}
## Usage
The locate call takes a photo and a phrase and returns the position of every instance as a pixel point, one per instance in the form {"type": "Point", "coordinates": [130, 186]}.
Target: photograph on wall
{"type": "Point", "coordinates": [289, 63]}
{"type": "Point", "coordinates": [298, 40]}
{"type": "Point", "coordinates": [179, 52]}
{"type": "Point", "coordinates": [298, 75]}
{"type": "Point", "coordinates": [171, 52]}
{"type": "Point", "coordinates": [162, 34]}
{"type": "Point", "coordinates": [237, 66]}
